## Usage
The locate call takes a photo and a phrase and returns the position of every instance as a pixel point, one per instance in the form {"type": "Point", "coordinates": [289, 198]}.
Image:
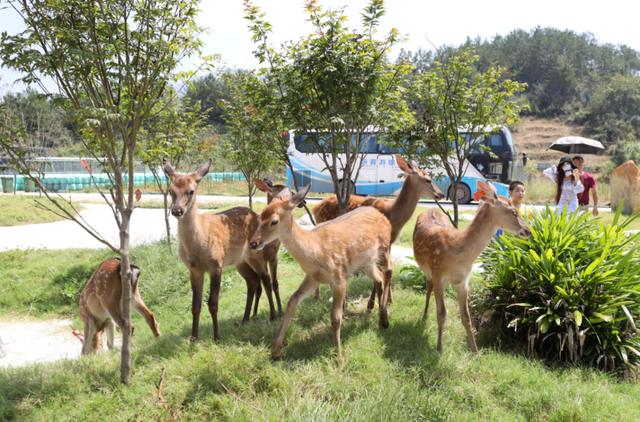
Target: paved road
{"type": "Point", "coordinates": [147, 224]}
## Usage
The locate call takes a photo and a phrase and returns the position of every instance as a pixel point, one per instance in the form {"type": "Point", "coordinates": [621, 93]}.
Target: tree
{"type": "Point", "coordinates": [169, 134]}
{"type": "Point", "coordinates": [112, 62]}
{"type": "Point", "coordinates": [208, 91]}
{"type": "Point", "coordinates": [249, 142]}
{"type": "Point", "coordinates": [454, 97]}
{"type": "Point", "coordinates": [336, 81]}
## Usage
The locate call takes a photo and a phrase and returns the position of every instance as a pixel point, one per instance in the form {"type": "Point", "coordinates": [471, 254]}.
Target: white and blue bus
{"type": "Point", "coordinates": [380, 174]}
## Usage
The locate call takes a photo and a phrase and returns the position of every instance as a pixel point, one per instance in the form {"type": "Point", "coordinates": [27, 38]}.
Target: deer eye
{"type": "Point", "coordinates": [274, 222]}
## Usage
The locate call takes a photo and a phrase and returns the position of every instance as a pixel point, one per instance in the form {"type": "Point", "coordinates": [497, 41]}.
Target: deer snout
{"type": "Point", "coordinates": [256, 245]}
{"type": "Point", "coordinates": [177, 212]}
{"type": "Point", "coordinates": [438, 195]}
{"type": "Point", "coordinates": [525, 232]}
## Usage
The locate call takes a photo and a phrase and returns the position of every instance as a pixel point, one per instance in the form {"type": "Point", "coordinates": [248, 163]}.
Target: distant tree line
{"type": "Point", "coordinates": [568, 75]}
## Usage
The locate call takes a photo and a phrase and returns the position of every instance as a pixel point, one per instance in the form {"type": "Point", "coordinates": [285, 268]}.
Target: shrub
{"type": "Point", "coordinates": [570, 292]}
{"type": "Point", "coordinates": [626, 150]}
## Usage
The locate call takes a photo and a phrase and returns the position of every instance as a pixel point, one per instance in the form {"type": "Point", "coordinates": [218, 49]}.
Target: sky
{"type": "Point", "coordinates": [425, 23]}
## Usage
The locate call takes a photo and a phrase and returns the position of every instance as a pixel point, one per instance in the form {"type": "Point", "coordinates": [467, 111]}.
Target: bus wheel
{"type": "Point", "coordinates": [463, 193]}
{"type": "Point", "coordinates": [353, 186]}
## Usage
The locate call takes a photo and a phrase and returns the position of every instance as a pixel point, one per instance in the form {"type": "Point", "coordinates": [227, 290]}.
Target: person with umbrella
{"type": "Point", "coordinates": [566, 176]}
{"type": "Point", "coordinates": [589, 182]}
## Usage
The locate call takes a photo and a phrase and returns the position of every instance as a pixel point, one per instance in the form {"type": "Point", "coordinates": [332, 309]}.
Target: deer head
{"type": "Point", "coordinates": [274, 218]}
{"type": "Point", "coordinates": [503, 215]}
{"type": "Point", "coordinates": [183, 187]}
{"type": "Point", "coordinates": [423, 180]}
{"type": "Point", "coordinates": [280, 192]}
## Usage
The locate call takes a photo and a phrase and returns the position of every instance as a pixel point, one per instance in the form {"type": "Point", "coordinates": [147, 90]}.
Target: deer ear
{"type": "Point", "coordinates": [403, 164]}
{"type": "Point", "coordinates": [262, 185]}
{"type": "Point", "coordinates": [168, 168]}
{"type": "Point", "coordinates": [202, 171]}
{"type": "Point", "coordinates": [297, 199]}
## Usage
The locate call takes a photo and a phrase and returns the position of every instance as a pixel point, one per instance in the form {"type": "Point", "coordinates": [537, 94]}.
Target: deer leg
{"type": "Point", "coordinates": [88, 346]}
{"type": "Point", "coordinates": [214, 294]}
{"type": "Point", "coordinates": [307, 286]}
{"type": "Point", "coordinates": [197, 282]}
{"type": "Point", "coordinates": [372, 298]}
{"type": "Point", "coordinates": [110, 329]}
{"type": "Point", "coordinates": [336, 314]}
{"type": "Point", "coordinates": [273, 267]}
{"type": "Point", "coordinates": [142, 309]}
{"type": "Point", "coordinates": [251, 278]}
{"type": "Point", "coordinates": [428, 298]}
{"type": "Point", "coordinates": [316, 294]}
{"type": "Point", "coordinates": [442, 311]}
{"type": "Point", "coordinates": [463, 289]}
{"type": "Point", "coordinates": [266, 282]}
{"type": "Point", "coordinates": [258, 289]}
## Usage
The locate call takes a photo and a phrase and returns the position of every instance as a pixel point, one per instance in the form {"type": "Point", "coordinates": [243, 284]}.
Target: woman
{"type": "Point", "coordinates": [516, 195]}
{"type": "Point", "coordinates": [568, 185]}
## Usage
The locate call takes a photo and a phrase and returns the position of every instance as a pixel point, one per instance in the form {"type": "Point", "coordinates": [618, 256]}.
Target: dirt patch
{"type": "Point", "coordinates": [24, 343]}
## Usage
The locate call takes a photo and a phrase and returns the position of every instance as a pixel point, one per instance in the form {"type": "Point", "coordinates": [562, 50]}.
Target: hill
{"type": "Point", "coordinates": [533, 136]}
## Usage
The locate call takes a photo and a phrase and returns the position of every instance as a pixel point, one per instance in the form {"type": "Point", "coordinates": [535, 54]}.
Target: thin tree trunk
{"type": "Point", "coordinates": [125, 277]}
{"type": "Point", "coordinates": [295, 186]}
{"type": "Point", "coordinates": [167, 225]}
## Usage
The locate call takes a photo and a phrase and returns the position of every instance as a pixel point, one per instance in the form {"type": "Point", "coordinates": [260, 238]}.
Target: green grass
{"type": "Point", "coordinates": [19, 209]}
{"type": "Point", "coordinates": [384, 375]}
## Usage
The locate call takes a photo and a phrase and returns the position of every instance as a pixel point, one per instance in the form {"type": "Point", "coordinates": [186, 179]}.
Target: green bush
{"type": "Point", "coordinates": [626, 150]}
{"type": "Point", "coordinates": [570, 292]}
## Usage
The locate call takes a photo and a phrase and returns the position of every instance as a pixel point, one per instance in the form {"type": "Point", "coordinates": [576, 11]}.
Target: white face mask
{"type": "Point", "coordinates": [567, 169]}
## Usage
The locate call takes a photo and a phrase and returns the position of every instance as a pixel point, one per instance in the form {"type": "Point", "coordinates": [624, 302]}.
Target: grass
{"type": "Point", "coordinates": [384, 375]}
{"type": "Point", "coordinates": [19, 209]}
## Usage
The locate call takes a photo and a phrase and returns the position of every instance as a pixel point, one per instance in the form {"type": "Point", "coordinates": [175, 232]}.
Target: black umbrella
{"type": "Point", "coordinates": [577, 145]}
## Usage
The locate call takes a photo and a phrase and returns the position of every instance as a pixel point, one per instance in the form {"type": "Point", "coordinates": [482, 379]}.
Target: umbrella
{"type": "Point", "coordinates": [577, 145]}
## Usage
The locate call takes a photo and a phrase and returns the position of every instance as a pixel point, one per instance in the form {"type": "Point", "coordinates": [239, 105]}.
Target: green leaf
{"type": "Point", "coordinates": [577, 315]}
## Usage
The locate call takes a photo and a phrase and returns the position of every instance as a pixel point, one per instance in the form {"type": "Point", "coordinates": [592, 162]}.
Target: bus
{"type": "Point", "coordinates": [379, 173]}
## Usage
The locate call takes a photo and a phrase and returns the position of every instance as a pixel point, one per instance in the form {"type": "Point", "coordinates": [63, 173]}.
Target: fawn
{"type": "Point", "coordinates": [100, 305]}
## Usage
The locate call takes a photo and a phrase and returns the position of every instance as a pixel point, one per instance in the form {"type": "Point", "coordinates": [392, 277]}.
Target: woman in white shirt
{"type": "Point", "coordinates": [568, 185]}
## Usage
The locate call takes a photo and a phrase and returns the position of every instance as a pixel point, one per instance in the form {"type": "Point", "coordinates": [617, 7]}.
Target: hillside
{"type": "Point", "coordinates": [533, 136]}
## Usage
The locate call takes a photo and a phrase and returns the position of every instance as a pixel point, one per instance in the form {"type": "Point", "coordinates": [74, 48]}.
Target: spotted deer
{"type": "Point", "coordinates": [417, 183]}
{"type": "Point", "coordinates": [446, 254]}
{"type": "Point", "coordinates": [100, 305]}
{"type": "Point", "coordinates": [329, 253]}
{"type": "Point", "coordinates": [209, 242]}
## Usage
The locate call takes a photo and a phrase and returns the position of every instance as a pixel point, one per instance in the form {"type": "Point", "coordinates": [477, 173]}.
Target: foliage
{"type": "Point", "coordinates": [46, 125]}
{"type": "Point", "coordinates": [626, 150]}
{"type": "Point", "coordinates": [335, 80]}
{"type": "Point", "coordinates": [251, 142]}
{"type": "Point", "coordinates": [207, 92]}
{"type": "Point", "coordinates": [570, 292]}
{"type": "Point", "coordinates": [453, 97]}
{"type": "Point", "coordinates": [613, 112]}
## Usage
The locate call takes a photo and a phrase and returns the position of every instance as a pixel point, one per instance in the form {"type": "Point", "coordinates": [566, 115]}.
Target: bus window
{"type": "Point", "coordinates": [306, 143]}
{"type": "Point", "coordinates": [368, 144]}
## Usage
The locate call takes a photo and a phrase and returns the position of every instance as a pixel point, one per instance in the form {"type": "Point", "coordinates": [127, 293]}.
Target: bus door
{"type": "Point", "coordinates": [367, 177]}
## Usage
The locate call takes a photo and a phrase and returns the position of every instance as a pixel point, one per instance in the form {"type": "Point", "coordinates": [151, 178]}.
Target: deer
{"type": "Point", "coordinates": [209, 242]}
{"type": "Point", "coordinates": [446, 254]}
{"type": "Point", "coordinates": [100, 305]}
{"type": "Point", "coordinates": [417, 183]}
{"type": "Point", "coordinates": [280, 192]}
{"type": "Point", "coordinates": [329, 253]}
